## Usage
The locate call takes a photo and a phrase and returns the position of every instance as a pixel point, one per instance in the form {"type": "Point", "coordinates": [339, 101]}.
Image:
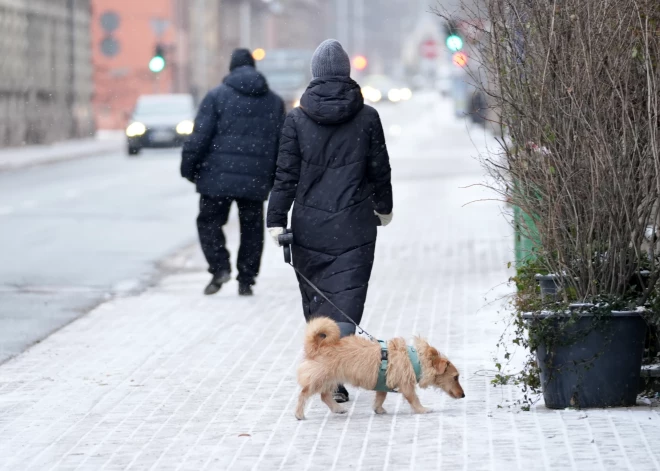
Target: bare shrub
{"type": "Point", "coordinates": [575, 83]}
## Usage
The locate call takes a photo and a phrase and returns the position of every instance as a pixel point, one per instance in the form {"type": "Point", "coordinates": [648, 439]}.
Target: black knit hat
{"type": "Point", "coordinates": [241, 57]}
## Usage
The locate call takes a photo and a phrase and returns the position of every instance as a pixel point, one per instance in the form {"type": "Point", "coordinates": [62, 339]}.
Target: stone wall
{"type": "Point", "coordinates": [45, 71]}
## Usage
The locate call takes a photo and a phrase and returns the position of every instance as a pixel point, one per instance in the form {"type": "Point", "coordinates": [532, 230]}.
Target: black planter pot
{"type": "Point", "coordinates": [548, 284]}
{"type": "Point", "coordinates": [601, 368]}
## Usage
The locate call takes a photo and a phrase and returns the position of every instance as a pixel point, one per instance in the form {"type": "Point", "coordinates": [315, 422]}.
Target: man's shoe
{"type": "Point", "coordinates": [216, 283]}
{"type": "Point", "coordinates": [245, 289]}
{"type": "Point", "coordinates": [340, 395]}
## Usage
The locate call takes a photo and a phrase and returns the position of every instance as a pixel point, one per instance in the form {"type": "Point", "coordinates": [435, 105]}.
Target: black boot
{"type": "Point", "coordinates": [340, 394]}
{"type": "Point", "coordinates": [346, 329]}
{"type": "Point", "coordinates": [245, 289]}
{"type": "Point", "coordinates": [216, 283]}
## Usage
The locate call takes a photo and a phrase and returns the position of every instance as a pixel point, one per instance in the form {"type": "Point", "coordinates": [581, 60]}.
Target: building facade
{"type": "Point", "coordinates": [273, 24]}
{"type": "Point", "coordinates": [124, 38]}
{"type": "Point", "coordinates": [125, 34]}
{"type": "Point", "coordinates": [198, 37]}
{"type": "Point", "coordinates": [45, 71]}
{"type": "Point", "coordinates": [201, 27]}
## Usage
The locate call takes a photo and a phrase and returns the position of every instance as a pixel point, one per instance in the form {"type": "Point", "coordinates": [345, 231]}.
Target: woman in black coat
{"type": "Point", "coordinates": [333, 163]}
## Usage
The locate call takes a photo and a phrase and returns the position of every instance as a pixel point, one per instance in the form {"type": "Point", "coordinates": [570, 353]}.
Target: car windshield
{"type": "Point", "coordinates": [164, 106]}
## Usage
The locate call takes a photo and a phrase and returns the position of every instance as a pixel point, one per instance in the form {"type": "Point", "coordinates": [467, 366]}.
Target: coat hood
{"type": "Point", "coordinates": [247, 80]}
{"type": "Point", "coordinates": [332, 100]}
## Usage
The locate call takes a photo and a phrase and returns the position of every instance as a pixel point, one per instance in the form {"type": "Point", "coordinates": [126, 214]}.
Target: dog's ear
{"type": "Point", "coordinates": [439, 364]}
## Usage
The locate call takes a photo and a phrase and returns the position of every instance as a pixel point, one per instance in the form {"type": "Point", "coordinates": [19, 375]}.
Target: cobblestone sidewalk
{"type": "Point", "coordinates": [173, 380]}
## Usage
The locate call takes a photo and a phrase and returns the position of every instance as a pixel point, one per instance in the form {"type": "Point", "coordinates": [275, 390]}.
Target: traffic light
{"type": "Point", "coordinates": [459, 59]}
{"type": "Point", "coordinates": [454, 39]}
{"type": "Point", "coordinates": [158, 62]}
{"type": "Point", "coordinates": [454, 43]}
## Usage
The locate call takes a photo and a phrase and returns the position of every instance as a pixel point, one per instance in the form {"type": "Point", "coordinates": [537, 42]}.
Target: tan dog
{"type": "Point", "coordinates": [330, 360]}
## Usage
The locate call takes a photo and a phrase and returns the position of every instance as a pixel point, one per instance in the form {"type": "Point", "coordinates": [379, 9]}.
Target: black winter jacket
{"type": "Point", "coordinates": [333, 163]}
{"type": "Point", "coordinates": [233, 148]}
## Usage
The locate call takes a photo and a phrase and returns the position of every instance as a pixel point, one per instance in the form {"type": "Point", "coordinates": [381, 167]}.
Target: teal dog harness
{"type": "Point", "coordinates": [381, 384]}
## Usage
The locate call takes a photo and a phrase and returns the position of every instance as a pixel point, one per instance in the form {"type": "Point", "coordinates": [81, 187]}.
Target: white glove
{"type": "Point", "coordinates": [385, 219]}
{"type": "Point", "coordinates": [275, 233]}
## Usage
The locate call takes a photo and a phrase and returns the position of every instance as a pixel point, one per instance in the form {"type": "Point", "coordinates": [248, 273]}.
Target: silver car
{"type": "Point", "coordinates": [160, 121]}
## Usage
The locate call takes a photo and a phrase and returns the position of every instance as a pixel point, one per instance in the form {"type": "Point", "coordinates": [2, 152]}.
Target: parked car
{"type": "Point", "coordinates": [160, 121]}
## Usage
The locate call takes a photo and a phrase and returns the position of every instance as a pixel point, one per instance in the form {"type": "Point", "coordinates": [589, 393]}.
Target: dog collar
{"type": "Point", "coordinates": [381, 384]}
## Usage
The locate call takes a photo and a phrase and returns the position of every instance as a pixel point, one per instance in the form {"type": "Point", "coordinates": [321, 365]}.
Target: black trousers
{"type": "Point", "coordinates": [213, 214]}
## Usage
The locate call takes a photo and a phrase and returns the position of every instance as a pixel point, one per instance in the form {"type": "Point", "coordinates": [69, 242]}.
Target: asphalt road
{"type": "Point", "coordinates": [73, 234]}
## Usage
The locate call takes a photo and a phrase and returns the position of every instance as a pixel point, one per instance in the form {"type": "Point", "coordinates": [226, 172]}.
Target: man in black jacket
{"type": "Point", "coordinates": [231, 156]}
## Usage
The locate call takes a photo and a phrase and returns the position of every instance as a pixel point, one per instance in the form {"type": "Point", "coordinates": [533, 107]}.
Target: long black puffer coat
{"type": "Point", "coordinates": [233, 148]}
{"type": "Point", "coordinates": [333, 162]}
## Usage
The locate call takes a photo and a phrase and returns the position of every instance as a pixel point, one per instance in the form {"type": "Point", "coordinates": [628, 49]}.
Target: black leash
{"type": "Point", "coordinates": [285, 240]}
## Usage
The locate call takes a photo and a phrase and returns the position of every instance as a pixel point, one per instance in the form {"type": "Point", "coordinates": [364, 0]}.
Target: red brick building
{"type": "Point", "coordinates": [198, 35]}
{"type": "Point", "coordinates": [124, 37]}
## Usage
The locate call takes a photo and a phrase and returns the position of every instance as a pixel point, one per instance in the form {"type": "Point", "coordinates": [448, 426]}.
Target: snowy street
{"type": "Point", "coordinates": [157, 376]}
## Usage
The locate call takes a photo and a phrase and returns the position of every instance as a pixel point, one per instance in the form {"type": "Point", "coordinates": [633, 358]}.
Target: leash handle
{"type": "Point", "coordinates": [285, 240]}
{"type": "Point", "coordinates": [360, 329]}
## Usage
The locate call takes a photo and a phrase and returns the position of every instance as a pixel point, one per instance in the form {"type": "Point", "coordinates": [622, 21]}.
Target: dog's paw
{"type": "Point", "coordinates": [423, 410]}
{"type": "Point", "coordinates": [339, 410]}
{"type": "Point", "coordinates": [380, 411]}
{"type": "Point", "coordinates": [300, 416]}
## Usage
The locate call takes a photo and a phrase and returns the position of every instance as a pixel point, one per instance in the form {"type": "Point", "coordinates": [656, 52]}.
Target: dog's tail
{"type": "Point", "coordinates": [320, 332]}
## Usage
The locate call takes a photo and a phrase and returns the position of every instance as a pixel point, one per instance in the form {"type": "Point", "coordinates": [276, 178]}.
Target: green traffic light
{"type": "Point", "coordinates": [157, 64]}
{"type": "Point", "coordinates": [454, 43]}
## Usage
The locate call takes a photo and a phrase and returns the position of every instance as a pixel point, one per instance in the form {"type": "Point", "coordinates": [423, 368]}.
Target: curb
{"type": "Point", "coordinates": [110, 148]}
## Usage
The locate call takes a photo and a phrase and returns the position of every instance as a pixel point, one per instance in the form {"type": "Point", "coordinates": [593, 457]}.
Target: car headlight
{"type": "Point", "coordinates": [406, 94]}
{"type": "Point", "coordinates": [185, 127]}
{"type": "Point", "coordinates": [371, 94]}
{"type": "Point", "coordinates": [365, 92]}
{"type": "Point", "coordinates": [135, 129]}
{"type": "Point", "coordinates": [394, 95]}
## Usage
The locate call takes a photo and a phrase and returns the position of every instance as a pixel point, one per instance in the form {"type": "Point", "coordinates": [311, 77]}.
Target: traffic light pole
{"type": "Point", "coordinates": [156, 83]}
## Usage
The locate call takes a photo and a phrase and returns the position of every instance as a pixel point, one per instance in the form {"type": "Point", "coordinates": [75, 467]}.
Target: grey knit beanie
{"type": "Point", "coordinates": [330, 59]}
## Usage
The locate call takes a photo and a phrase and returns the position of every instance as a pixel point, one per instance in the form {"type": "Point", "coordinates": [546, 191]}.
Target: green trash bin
{"type": "Point", "coordinates": [526, 237]}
